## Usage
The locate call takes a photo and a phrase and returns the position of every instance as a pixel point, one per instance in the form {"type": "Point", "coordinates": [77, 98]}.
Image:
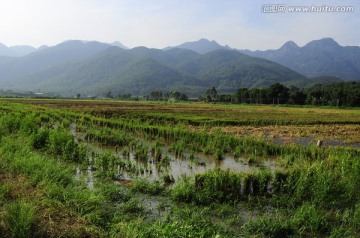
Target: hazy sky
{"type": "Point", "coordinates": [160, 23]}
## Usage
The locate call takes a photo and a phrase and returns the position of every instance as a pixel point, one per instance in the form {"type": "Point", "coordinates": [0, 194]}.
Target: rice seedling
{"type": "Point", "coordinates": [40, 139]}
{"type": "Point", "coordinates": [168, 179]}
{"type": "Point", "coordinates": [20, 219]}
{"type": "Point", "coordinates": [308, 220]}
{"type": "Point", "coordinates": [133, 205]}
{"type": "Point", "coordinates": [141, 152]}
{"type": "Point", "coordinates": [144, 186]}
{"type": "Point", "coordinates": [253, 160]}
{"type": "Point", "coordinates": [271, 226]}
{"type": "Point", "coordinates": [183, 190]}
{"type": "Point", "coordinates": [6, 193]}
{"type": "Point", "coordinates": [279, 181]}
{"type": "Point", "coordinates": [219, 155]}
{"type": "Point", "coordinates": [165, 161]}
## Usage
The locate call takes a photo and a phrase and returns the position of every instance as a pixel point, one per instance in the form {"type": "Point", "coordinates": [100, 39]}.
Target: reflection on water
{"type": "Point", "coordinates": [90, 178]}
{"type": "Point", "coordinates": [176, 167]}
{"type": "Point", "coordinates": [88, 175]}
{"type": "Point", "coordinates": [127, 167]}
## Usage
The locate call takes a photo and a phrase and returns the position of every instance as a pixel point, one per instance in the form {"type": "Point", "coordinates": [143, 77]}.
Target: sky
{"type": "Point", "coordinates": [161, 23]}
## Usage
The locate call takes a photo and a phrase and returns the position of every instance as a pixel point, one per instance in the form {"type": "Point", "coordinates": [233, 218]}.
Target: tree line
{"type": "Point", "coordinates": [160, 96]}
{"type": "Point", "coordinates": [344, 94]}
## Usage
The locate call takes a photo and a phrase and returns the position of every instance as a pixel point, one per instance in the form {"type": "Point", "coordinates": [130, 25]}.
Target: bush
{"type": "Point", "coordinates": [183, 190]}
{"type": "Point", "coordinates": [10, 124]}
{"type": "Point", "coordinates": [61, 142]}
{"type": "Point", "coordinates": [40, 140]}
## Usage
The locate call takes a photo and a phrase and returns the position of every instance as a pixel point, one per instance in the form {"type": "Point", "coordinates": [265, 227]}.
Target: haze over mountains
{"type": "Point", "coordinates": [317, 58]}
{"type": "Point", "coordinates": [201, 46]}
{"type": "Point", "coordinates": [94, 68]}
{"type": "Point", "coordinates": [16, 51]}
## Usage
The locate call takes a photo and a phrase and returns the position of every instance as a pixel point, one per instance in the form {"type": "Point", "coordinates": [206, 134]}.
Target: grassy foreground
{"type": "Point", "coordinates": [47, 158]}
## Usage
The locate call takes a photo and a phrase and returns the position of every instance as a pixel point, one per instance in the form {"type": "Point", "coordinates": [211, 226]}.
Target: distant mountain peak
{"type": "Point", "coordinates": [3, 46]}
{"type": "Point", "coordinates": [16, 51]}
{"type": "Point", "coordinates": [72, 42]}
{"type": "Point", "coordinates": [323, 57]}
{"type": "Point", "coordinates": [290, 45]}
{"type": "Point", "coordinates": [119, 44]}
{"type": "Point", "coordinates": [43, 47]}
{"type": "Point", "coordinates": [202, 40]}
{"type": "Point", "coordinates": [328, 42]}
{"type": "Point", "coordinates": [201, 46]}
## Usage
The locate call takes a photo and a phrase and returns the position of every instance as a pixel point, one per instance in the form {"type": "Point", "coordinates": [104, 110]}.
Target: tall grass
{"type": "Point", "coordinates": [20, 219]}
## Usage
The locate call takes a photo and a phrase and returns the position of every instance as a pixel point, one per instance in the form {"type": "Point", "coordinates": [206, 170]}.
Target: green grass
{"type": "Point", "coordinates": [20, 219]}
{"type": "Point", "coordinates": [313, 193]}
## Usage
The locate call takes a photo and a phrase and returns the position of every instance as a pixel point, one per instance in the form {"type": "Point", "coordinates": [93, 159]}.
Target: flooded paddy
{"type": "Point", "coordinates": [139, 175]}
{"type": "Point", "coordinates": [172, 168]}
{"type": "Point", "coordinates": [164, 165]}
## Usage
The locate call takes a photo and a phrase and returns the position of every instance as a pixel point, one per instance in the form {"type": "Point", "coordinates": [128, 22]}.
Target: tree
{"type": "Point", "coordinates": [212, 95]}
{"type": "Point", "coordinates": [242, 95]}
{"type": "Point", "coordinates": [225, 98]}
{"type": "Point", "coordinates": [279, 93]}
{"type": "Point", "coordinates": [296, 96]}
{"type": "Point", "coordinates": [178, 96]}
{"type": "Point", "coordinates": [124, 96]}
{"type": "Point", "coordinates": [207, 98]}
{"type": "Point", "coordinates": [109, 94]}
{"type": "Point", "coordinates": [175, 95]}
{"type": "Point", "coordinates": [156, 96]}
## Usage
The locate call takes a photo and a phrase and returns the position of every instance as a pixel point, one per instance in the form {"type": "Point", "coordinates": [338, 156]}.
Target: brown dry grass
{"type": "Point", "coordinates": [348, 134]}
{"type": "Point", "coordinates": [264, 121]}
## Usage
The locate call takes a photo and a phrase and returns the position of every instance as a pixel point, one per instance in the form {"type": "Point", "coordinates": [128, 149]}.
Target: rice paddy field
{"type": "Point", "coordinates": [72, 168]}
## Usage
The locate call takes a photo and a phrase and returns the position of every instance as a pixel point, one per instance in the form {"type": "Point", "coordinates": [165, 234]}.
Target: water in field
{"type": "Point", "coordinates": [86, 174]}
{"type": "Point", "coordinates": [307, 141]}
{"type": "Point", "coordinates": [169, 167]}
{"type": "Point", "coordinates": [176, 166]}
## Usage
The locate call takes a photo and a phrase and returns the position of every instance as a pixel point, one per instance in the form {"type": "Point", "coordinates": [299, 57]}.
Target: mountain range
{"type": "Point", "coordinates": [16, 51]}
{"type": "Point", "coordinates": [94, 68]}
{"type": "Point", "coordinates": [317, 58]}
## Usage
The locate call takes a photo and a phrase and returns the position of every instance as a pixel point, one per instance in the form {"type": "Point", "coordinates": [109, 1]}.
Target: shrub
{"type": "Point", "coordinates": [183, 190]}
{"type": "Point", "coordinates": [40, 140]}
{"type": "Point", "coordinates": [61, 142]}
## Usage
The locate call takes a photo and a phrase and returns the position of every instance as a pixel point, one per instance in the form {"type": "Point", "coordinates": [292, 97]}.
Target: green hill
{"type": "Point", "coordinates": [229, 70]}
{"type": "Point", "coordinates": [311, 82]}
{"type": "Point", "coordinates": [93, 69]}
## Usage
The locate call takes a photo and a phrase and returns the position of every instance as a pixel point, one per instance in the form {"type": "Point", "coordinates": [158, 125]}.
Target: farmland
{"type": "Point", "coordinates": [75, 168]}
